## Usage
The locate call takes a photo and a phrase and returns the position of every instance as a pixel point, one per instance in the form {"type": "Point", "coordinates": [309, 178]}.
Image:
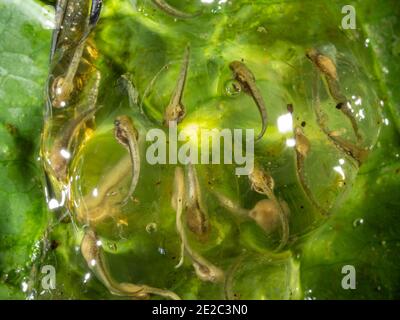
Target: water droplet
{"type": "Point", "coordinates": [232, 88]}
{"type": "Point", "coordinates": [358, 222]}
{"type": "Point", "coordinates": [86, 277]}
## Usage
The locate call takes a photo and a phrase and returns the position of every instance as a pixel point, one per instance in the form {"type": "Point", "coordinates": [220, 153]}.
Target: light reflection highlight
{"type": "Point", "coordinates": [86, 277]}
{"type": "Point", "coordinates": [290, 142]}
{"type": "Point", "coordinates": [65, 154]}
{"type": "Point", "coordinates": [361, 114]}
{"type": "Point", "coordinates": [285, 123]}
{"type": "Point", "coordinates": [54, 203]}
{"type": "Point", "coordinates": [24, 286]}
{"type": "Point", "coordinates": [339, 170]}
{"type": "Point", "coordinates": [95, 192]}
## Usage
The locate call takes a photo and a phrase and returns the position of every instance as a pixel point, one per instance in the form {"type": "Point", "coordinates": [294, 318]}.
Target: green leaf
{"type": "Point", "coordinates": [24, 51]}
{"type": "Point", "coordinates": [364, 230]}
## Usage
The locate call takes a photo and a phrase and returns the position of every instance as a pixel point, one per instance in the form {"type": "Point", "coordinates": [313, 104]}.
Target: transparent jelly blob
{"type": "Point", "coordinates": [312, 150]}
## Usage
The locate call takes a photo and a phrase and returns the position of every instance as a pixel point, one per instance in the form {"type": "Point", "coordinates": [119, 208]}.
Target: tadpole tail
{"type": "Point", "coordinates": [341, 103]}
{"type": "Point", "coordinates": [151, 85]}
{"type": "Point", "coordinates": [95, 12]}
{"type": "Point", "coordinates": [321, 123]}
{"type": "Point", "coordinates": [349, 114]}
{"type": "Point", "coordinates": [135, 159]}
{"type": "Point", "coordinates": [284, 225]}
{"type": "Point", "coordinates": [231, 206]}
{"type": "Point", "coordinates": [60, 11]}
{"type": "Point", "coordinates": [94, 16]}
{"type": "Point", "coordinates": [160, 292]}
{"type": "Point", "coordinates": [343, 148]}
{"type": "Point", "coordinates": [356, 153]}
{"type": "Point", "coordinates": [173, 12]}
{"type": "Point", "coordinates": [258, 99]}
{"type": "Point", "coordinates": [91, 251]}
{"type": "Point", "coordinates": [263, 114]}
{"type": "Point", "coordinates": [306, 189]}
{"type": "Point", "coordinates": [228, 283]}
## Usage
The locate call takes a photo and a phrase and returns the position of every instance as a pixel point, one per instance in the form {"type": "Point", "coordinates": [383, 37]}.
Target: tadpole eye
{"type": "Point", "coordinates": [339, 105]}
{"type": "Point", "coordinates": [117, 122]}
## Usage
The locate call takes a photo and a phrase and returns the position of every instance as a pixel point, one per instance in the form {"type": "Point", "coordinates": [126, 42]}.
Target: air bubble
{"type": "Point", "coordinates": [151, 228]}
{"type": "Point", "coordinates": [358, 222]}
{"type": "Point", "coordinates": [232, 88]}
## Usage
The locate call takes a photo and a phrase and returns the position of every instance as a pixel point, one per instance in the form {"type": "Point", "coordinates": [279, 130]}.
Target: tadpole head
{"type": "Point", "coordinates": [311, 53]}
{"type": "Point", "coordinates": [234, 65]}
